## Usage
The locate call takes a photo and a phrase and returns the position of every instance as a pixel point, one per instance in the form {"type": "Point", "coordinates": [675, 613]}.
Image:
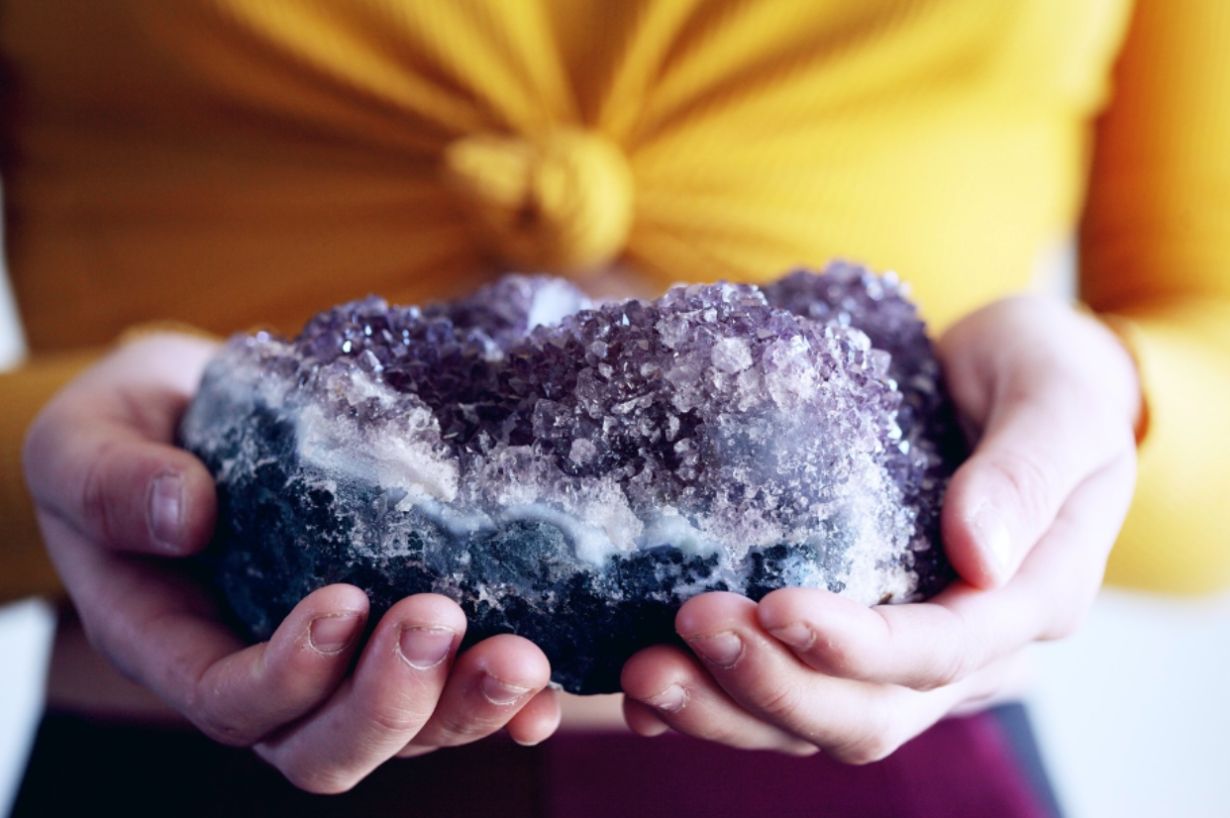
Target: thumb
{"type": "Point", "coordinates": [1038, 446]}
{"type": "Point", "coordinates": [99, 456]}
{"type": "Point", "coordinates": [1050, 389]}
{"type": "Point", "coordinates": [119, 490]}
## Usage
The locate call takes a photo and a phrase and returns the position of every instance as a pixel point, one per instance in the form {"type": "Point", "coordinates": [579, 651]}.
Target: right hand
{"type": "Point", "coordinates": [117, 503]}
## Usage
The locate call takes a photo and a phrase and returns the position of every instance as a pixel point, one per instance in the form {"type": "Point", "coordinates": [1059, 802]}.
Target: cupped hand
{"type": "Point", "coordinates": [118, 504]}
{"type": "Point", "coordinates": [1052, 400]}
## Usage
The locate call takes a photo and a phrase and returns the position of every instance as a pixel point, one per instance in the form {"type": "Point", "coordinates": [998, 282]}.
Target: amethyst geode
{"type": "Point", "coordinates": [572, 472]}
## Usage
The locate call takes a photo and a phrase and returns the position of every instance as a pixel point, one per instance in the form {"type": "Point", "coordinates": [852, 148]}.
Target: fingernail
{"type": "Point", "coordinates": [996, 542]}
{"type": "Point", "coordinates": [672, 699]}
{"type": "Point", "coordinates": [797, 635]}
{"type": "Point", "coordinates": [166, 501]}
{"type": "Point", "coordinates": [722, 649]}
{"type": "Point", "coordinates": [499, 692]}
{"type": "Point", "coordinates": [424, 648]}
{"type": "Point", "coordinates": [333, 633]}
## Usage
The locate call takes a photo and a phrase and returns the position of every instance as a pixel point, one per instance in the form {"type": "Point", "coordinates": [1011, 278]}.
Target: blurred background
{"type": "Point", "coordinates": [1131, 712]}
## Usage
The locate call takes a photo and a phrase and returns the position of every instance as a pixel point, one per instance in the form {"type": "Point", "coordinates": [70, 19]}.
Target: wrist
{"type": "Point", "coordinates": [1120, 332]}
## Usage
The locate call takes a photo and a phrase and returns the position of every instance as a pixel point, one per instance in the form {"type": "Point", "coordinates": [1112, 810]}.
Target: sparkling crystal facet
{"type": "Point", "coordinates": [572, 471]}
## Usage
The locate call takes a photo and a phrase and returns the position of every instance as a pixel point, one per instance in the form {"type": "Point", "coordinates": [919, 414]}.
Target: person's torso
{"type": "Point", "coordinates": [227, 162]}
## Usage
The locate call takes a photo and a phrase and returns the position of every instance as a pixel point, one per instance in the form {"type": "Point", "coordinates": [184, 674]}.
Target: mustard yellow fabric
{"type": "Point", "coordinates": [228, 163]}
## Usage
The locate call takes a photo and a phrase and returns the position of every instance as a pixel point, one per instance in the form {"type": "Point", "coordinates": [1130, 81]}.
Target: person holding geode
{"type": "Point", "coordinates": [221, 164]}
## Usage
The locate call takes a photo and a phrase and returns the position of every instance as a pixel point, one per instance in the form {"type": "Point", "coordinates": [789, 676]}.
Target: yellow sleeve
{"type": "Point", "coordinates": [1155, 253]}
{"type": "Point", "coordinates": [24, 567]}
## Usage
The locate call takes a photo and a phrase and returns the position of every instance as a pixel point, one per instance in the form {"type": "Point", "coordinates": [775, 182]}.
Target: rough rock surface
{"type": "Point", "coordinates": [572, 471]}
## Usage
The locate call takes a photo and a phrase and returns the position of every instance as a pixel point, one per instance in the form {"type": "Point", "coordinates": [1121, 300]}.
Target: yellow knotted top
{"type": "Point", "coordinates": [559, 202]}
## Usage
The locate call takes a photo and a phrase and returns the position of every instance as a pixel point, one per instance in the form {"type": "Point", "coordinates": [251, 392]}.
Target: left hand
{"type": "Point", "coordinates": [1028, 522]}
{"type": "Point", "coordinates": [333, 693]}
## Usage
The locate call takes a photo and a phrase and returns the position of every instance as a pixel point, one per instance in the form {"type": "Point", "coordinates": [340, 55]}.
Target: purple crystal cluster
{"type": "Point", "coordinates": [573, 471]}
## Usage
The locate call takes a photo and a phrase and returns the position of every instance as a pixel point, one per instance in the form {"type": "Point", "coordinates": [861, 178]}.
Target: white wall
{"type": "Point", "coordinates": [1134, 711]}
{"type": "Point", "coordinates": [12, 344]}
{"type": "Point", "coordinates": [25, 641]}
{"type": "Point", "coordinates": [26, 627]}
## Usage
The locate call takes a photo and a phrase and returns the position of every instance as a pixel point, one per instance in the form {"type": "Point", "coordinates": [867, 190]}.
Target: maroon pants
{"type": "Point", "coordinates": [984, 765]}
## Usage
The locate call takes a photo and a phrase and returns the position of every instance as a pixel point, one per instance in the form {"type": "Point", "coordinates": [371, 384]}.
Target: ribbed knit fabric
{"type": "Point", "coordinates": [228, 163]}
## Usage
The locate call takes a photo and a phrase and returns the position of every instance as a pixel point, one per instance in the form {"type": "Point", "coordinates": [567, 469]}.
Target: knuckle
{"type": "Point", "coordinates": [781, 704]}
{"type": "Point", "coordinates": [397, 720]}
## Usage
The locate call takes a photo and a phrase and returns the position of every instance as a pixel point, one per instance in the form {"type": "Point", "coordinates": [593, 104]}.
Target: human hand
{"type": "Point", "coordinates": [117, 504]}
{"type": "Point", "coordinates": [1028, 522]}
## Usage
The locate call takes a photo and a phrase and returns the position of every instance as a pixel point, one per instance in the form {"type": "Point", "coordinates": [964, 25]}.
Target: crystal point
{"type": "Point", "coordinates": [572, 471]}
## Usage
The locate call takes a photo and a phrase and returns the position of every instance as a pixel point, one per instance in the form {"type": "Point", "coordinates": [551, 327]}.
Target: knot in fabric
{"type": "Point", "coordinates": [561, 202]}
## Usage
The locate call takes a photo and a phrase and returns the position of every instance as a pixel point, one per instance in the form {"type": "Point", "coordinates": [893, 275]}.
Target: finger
{"type": "Point", "coordinates": [936, 643]}
{"type": "Point", "coordinates": [853, 721]}
{"type": "Point", "coordinates": [1034, 453]}
{"type": "Point", "coordinates": [680, 693]}
{"type": "Point", "coordinates": [842, 638]}
{"type": "Point", "coordinates": [99, 457]}
{"type": "Point", "coordinates": [249, 693]}
{"type": "Point", "coordinates": [537, 720]}
{"type": "Point", "coordinates": [120, 490]}
{"type": "Point", "coordinates": [1046, 427]}
{"type": "Point", "coordinates": [163, 631]}
{"type": "Point", "coordinates": [490, 683]}
{"type": "Point", "coordinates": [393, 693]}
